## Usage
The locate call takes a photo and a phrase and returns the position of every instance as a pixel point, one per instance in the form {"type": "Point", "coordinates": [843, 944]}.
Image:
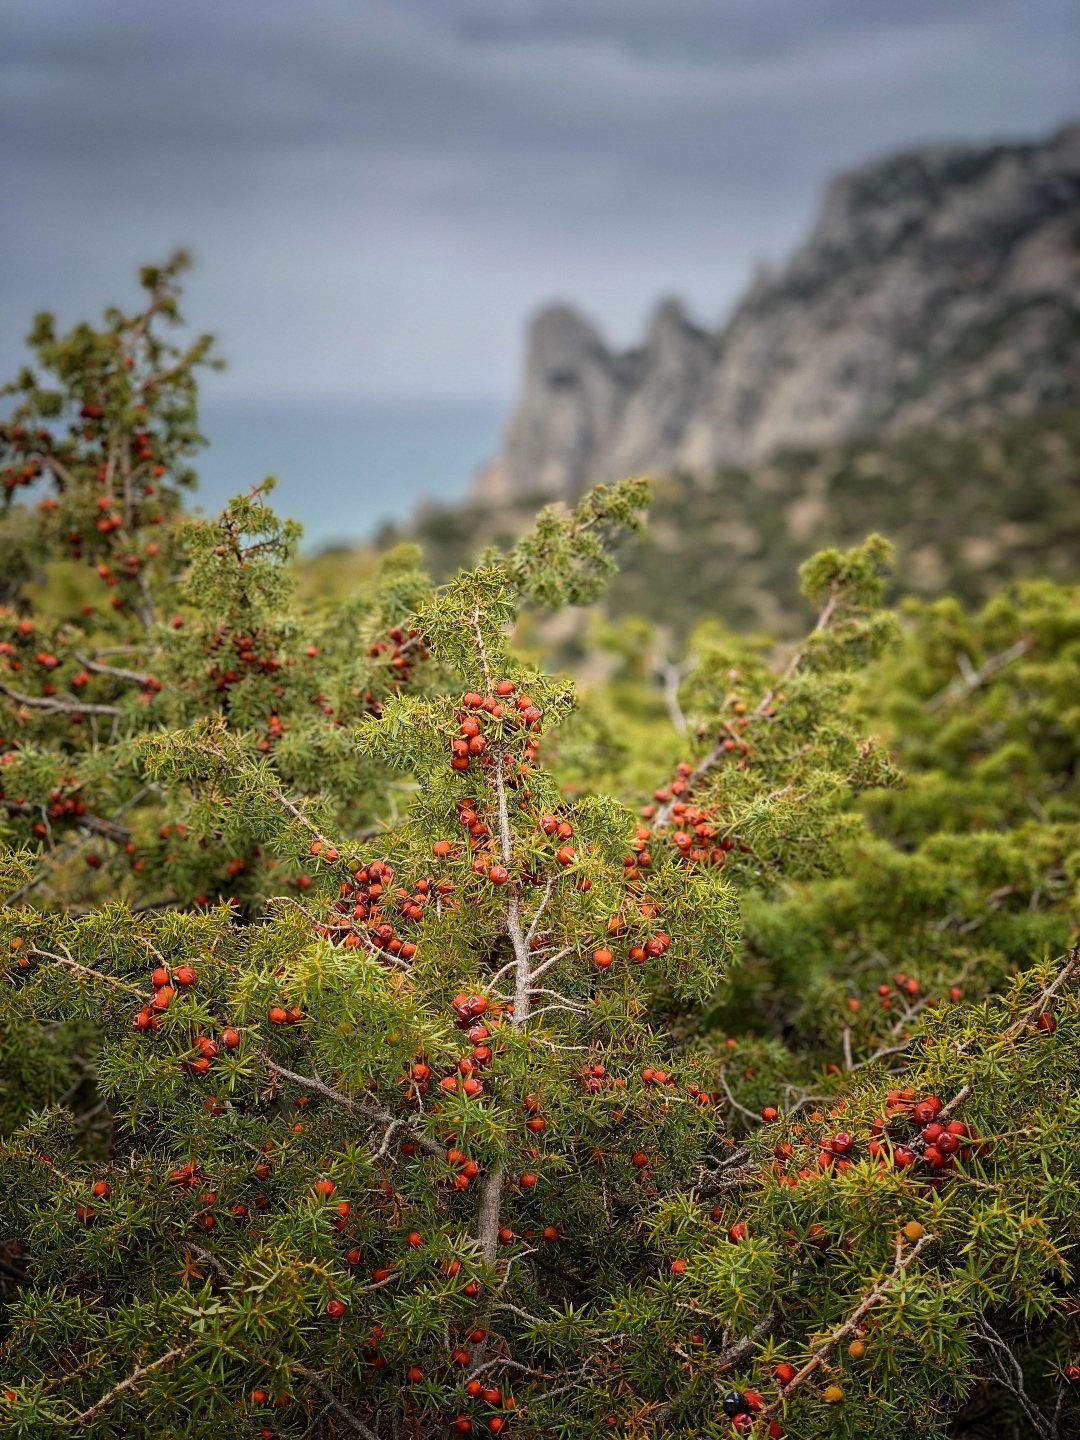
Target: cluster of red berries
{"type": "Point", "coordinates": [694, 841]}
{"type": "Point", "coordinates": [908, 989]}
{"type": "Point", "coordinates": [368, 899]}
{"type": "Point", "coordinates": [935, 1146]}
{"type": "Point", "coordinates": [742, 1408]}
{"type": "Point", "coordinates": [253, 656]}
{"type": "Point", "coordinates": [471, 743]}
{"type": "Point", "coordinates": [149, 1016]}
{"type": "Point", "coordinates": [23, 471]}
{"type": "Point", "coordinates": [647, 943]}
{"type": "Point", "coordinates": [84, 1213]}
{"type": "Point", "coordinates": [402, 650]}
{"type": "Point", "coordinates": [22, 636]}
{"type": "Point", "coordinates": [463, 1075]}
{"type": "Point", "coordinates": [190, 1177]}
{"type": "Point", "coordinates": [61, 807]}
{"type": "Point", "coordinates": [493, 1397]}
{"type": "Point", "coordinates": [275, 728]}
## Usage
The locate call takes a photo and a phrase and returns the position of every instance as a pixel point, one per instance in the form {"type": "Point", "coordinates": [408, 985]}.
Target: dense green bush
{"type": "Point", "coordinates": [384, 1073]}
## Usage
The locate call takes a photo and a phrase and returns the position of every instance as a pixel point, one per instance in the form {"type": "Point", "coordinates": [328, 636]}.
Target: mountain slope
{"type": "Point", "coordinates": [966, 513]}
{"type": "Point", "coordinates": [940, 287]}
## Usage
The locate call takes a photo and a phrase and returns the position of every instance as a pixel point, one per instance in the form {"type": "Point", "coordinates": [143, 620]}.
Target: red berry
{"type": "Point", "coordinates": [527, 1181]}
{"type": "Point", "coordinates": [185, 975]}
{"type": "Point", "coordinates": [230, 1038]}
{"type": "Point", "coordinates": [551, 1235]}
{"type": "Point", "coordinates": [784, 1373]}
{"type": "Point", "coordinates": [739, 1231]}
{"type": "Point", "coordinates": [639, 1160]}
{"type": "Point", "coordinates": [602, 959]}
{"type": "Point", "coordinates": [414, 1374]}
{"type": "Point", "coordinates": [1046, 1022]}
{"type": "Point", "coordinates": [277, 1015]}
{"type": "Point", "coordinates": [678, 1267]}
{"type": "Point", "coordinates": [414, 1239]}
{"type": "Point", "coordinates": [324, 1186]}
{"type": "Point", "coordinates": [769, 1114]}
{"type": "Point", "coordinates": [1072, 1373]}
{"type": "Point", "coordinates": [335, 1309]}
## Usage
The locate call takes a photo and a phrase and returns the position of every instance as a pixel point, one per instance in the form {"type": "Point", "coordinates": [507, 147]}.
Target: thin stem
{"type": "Point", "coordinates": [71, 964]}
{"type": "Point", "coordinates": [487, 1225]}
{"type": "Point", "coordinates": [139, 1373]}
{"type": "Point", "coordinates": [549, 963]}
{"type": "Point", "coordinates": [114, 670]}
{"type": "Point", "coordinates": [482, 648]}
{"type": "Point", "coordinates": [54, 705]}
{"type": "Point", "coordinates": [877, 1294]}
{"type": "Point", "coordinates": [322, 1389]}
{"type": "Point", "coordinates": [369, 1112]}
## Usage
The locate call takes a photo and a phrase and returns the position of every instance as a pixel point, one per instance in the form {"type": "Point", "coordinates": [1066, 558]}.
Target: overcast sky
{"type": "Point", "coordinates": [379, 192]}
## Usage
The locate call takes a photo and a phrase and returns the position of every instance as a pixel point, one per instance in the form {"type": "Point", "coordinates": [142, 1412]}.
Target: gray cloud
{"type": "Point", "coordinates": [380, 190]}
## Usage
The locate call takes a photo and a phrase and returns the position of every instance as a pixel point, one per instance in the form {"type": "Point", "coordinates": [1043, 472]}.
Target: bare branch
{"type": "Point", "coordinates": [54, 705]}
{"type": "Point", "coordinates": [1010, 1375]}
{"type": "Point", "coordinates": [139, 1373]}
{"type": "Point", "coordinates": [970, 678]}
{"type": "Point", "coordinates": [876, 1295]}
{"type": "Point", "coordinates": [71, 964]}
{"type": "Point", "coordinates": [554, 960]}
{"type": "Point", "coordinates": [374, 1113]}
{"type": "Point", "coordinates": [113, 670]}
{"type": "Point", "coordinates": [322, 1389]}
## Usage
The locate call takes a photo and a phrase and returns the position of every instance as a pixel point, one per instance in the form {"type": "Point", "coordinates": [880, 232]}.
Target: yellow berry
{"type": "Point", "coordinates": [856, 1349]}
{"type": "Point", "coordinates": [913, 1230]}
{"type": "Point", "coordinates": [833, 1395]}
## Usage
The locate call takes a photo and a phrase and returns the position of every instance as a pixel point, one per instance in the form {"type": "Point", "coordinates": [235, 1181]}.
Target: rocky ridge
{"type": "Point", "coordinates": [939, 288]}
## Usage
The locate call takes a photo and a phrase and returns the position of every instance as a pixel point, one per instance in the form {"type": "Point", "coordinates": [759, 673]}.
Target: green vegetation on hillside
{"type": "Point", "coordinates": [965, 513]}
{"type": "Point", "coordinates": [766, 961]}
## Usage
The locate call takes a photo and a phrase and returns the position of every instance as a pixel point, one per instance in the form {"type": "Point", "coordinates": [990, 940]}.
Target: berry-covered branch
{"type": "Point", "coordinates": [880, 1292]}
{"type": "Point", "coordinates": [373, 1113]}
{"type": "Point", "coordinates": [139, 1373]}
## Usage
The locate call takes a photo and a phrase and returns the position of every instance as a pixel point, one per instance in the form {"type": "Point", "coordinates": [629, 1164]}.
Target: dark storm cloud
{"type": "Point", "coordinates": [378, 192]}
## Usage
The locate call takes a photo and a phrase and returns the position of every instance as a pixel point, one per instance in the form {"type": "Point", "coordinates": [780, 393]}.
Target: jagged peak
{"type": "Point", "coordinates": [903, 308]}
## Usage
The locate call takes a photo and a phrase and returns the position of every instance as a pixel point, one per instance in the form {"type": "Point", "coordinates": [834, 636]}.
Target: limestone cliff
{"type": "Point", "coordinates": [939, 287]}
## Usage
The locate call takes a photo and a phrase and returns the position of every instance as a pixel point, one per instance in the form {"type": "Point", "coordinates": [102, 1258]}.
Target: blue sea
{"type": "Point", "coordinates": [345, 469]}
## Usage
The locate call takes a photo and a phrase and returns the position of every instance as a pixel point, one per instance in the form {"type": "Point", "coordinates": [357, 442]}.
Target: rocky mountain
{"type": "Point", "coordinates": [939, 288]}
{"type": "Point", "coordinates": [967, 513]}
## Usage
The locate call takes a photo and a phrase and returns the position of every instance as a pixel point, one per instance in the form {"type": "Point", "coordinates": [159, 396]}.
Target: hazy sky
{"type": "Point", "coordinates": [378, 192]}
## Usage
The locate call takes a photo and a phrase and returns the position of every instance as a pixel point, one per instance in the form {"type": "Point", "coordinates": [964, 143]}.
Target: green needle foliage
{"type": "Point", "coordinates": [366, 1082]}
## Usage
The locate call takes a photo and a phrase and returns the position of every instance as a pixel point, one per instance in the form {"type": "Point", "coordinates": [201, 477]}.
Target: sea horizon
{"type": "Point", "coordinates": [345, 468]}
